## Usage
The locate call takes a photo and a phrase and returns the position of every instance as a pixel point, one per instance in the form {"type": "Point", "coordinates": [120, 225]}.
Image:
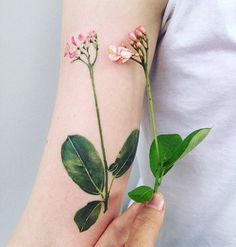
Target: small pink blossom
{"type": "Point", "coordinates": [72, 54]}
{"type": "Point", "coordinates": [138, 33]}
{"type": "Point", "coordinates": [73, 41]}
{"type": "Point", "coordinates": [67, 50]}
{"type": "Point", "coordinates": [119, 54]}
{"type": "Point", "coordinates": [138, 44]}
{"type": "Point", "coordinates": [81, 37]}
{"type": "Point", "coordinates": [132, 36]}
{"type": "Point", "coordinates": [91, 33]}
{"type": "Point", "coordinates": [141, 29]}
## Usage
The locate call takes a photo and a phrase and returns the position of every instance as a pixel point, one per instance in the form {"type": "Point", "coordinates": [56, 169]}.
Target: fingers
{"type": "Point", "coordinates": [147, 223]}
{"type": "Point", "coordinates": [117, 232]}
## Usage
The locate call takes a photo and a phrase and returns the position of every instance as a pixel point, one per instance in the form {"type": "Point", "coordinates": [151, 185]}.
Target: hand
{"type": "Point", "coordinates": [138, 226]}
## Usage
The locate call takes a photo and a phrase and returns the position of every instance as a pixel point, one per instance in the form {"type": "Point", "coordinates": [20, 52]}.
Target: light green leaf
{"type": "Point", "coordinates": [167, 145]}
{"type": "Point", "coordinates": [88, 215]}
{"type": "Point", "coordinates": [141, 194]}
{"type": "Point", "coordinates": [83, 164]}
{"type": "Point", "coordinates": [126, 155]}
{"type": "Point", "coordinates": [189, 143]}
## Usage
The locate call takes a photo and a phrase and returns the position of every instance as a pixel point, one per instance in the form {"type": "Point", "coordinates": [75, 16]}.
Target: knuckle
{"type": "Point", "coordinates": [117, 229]}
{"type": "Point", "coordinates": [146, 220]}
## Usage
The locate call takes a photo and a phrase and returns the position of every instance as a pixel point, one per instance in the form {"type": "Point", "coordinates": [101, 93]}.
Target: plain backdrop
{"type": "Point", "coordinates": [29, 65]}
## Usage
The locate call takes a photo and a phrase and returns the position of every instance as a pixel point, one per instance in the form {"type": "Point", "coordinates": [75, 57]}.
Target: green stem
{"type": "Point", "coordinates": [152, 114]}
{"type": "Point", "coordinates": [90, 66]}
{"type": "Point", "coordinates": [111, 185]}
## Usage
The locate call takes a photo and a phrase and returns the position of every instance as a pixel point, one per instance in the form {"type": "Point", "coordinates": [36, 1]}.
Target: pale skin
{"type": "Point", "coordinates": [48, 217]}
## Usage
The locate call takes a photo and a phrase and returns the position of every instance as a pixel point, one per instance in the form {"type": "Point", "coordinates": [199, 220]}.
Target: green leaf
{"type": "Point", "coordinates": [167, 145]}
{"type": "Point", "coordinates": [88, 215]}
{"type": "Point", "coordinates": [189, 143]}
{"type": "Point", "coordinates": [112, 167]}
{"type": "Point", "coordinates": [126, 155]}
{"type": "Point", "coordinates": [83, 164]}
{"type": "Point", "coordinates": [141, 194]}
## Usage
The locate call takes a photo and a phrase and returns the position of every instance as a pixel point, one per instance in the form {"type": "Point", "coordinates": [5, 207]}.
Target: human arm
{"type": "Point", "coordinates": [48, 218]}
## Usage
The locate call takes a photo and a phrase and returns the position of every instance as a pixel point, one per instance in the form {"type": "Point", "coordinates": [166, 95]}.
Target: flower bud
{"type": "Point", "coordinates": [138, 33]}
{"type": "Point", "coordinates": [132, 36]}
{"type": "Point", "coordinates": [138, 44]}
{"type": "Point", "coordinates": [72, 54]}
{"type": "Point", "coordinates": [141, 29]}
{"type": "Point", "coordinates": [73, 41]}
{"type": "Point", "coordinates": [81, 37]}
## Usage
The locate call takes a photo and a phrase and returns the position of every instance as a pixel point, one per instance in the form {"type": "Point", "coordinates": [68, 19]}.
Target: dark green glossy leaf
{"type": "Point", "coordinates": [113, 167]}
{"type": "Point", "coordinates": [189, 143]}
{"type": "Point", "coordinates": [88, 215]}
{"type": "Point", "coordinates": [83, 164]}
{"type": "Point", "coordinates": [126, 155]}
{"type": "Point", "coordinates": [167, 145]}
{"type": "Point", "coordinates": [141, 194]}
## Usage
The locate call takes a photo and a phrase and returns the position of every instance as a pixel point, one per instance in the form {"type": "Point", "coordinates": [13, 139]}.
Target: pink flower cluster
{"type": "Point", "coordinates": [80, 44]}
{"type": "Point", "coordinates": [137, 40]}
{"type": "Point", "coordinates": [119, 54]}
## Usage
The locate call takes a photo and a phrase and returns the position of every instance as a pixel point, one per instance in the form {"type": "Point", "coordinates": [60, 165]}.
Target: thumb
{"type": "Point", "coordinates": [147, 223]}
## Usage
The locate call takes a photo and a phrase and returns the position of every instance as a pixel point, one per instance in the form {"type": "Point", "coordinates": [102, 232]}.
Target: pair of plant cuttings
{"type": "Point", "coordinates": [166, 149]}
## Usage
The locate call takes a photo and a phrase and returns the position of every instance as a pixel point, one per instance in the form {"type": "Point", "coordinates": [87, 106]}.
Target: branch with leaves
{"type": "Point", "coordinates": [165, 149]}
{"type": "Point", "coordinates": [80, 157]}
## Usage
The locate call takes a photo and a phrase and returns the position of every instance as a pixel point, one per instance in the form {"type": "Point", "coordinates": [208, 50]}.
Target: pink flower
{"type": "Point", "coordinates": [138, 33]}
{"type": "Point", "coordinates": [72, 54]}
{"type": "Point", "coordinates": [91, 33]}
{"type": "Point", "coordinates": [138, 44]}
{"type": "Point", "coordinates": [67, 50]}
{"type": "Point", "coordinates": [73, 41]}
{"type": "Point", "coordinates": [119, 54]}
{"type": "Point", "coordinates": [81, 37]}
{"type": "Point", "coordinates": [132, 36]}
{"type": "Point", "coordinates": [140, 29]}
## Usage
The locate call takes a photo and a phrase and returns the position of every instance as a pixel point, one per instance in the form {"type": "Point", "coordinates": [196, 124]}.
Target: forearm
{"type": "Point", "coordinates": [48, 218]}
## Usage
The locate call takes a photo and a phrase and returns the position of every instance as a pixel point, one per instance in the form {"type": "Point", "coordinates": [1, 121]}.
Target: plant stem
{"type": "Point", "coordinates": [152, 114]}
{"type": "Point", "coordinates": [111, 185]}
{"type": "Point", "coordinates": [91, 71]}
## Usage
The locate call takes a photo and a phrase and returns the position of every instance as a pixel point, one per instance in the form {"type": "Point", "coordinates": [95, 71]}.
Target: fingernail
{"type": "Point", "coordinates": [157, 202]}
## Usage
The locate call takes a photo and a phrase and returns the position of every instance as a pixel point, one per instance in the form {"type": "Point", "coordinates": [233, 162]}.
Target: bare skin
{"type": "Point", "coordinates": [48, 218]}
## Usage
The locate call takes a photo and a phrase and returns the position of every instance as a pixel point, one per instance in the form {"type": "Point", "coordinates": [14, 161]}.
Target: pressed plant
{"type": "Point", "coordinates": [80, 157]}
{"type": "Point", "coordinates": [166, 149]}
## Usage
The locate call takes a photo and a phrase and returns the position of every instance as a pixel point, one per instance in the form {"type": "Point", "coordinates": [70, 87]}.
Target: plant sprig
{"type": "Point", "coordinates": [80, 157]}
{"type": "Point", "coordinates": [167, 149]}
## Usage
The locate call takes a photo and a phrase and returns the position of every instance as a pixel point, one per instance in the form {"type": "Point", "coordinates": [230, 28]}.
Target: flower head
{"type": "Point", "coordinates": [135, 48]}
{"type": "Point", "coordinates": [71, 52]}
{"type": "Point", "coordinates": [80, 48]}
{"type": "Point", "coordinates": [81, 37]}
{"type": "Point", "coordinates": [140, 29]}
{"type": "Point", "coordinates": [119, 54]}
